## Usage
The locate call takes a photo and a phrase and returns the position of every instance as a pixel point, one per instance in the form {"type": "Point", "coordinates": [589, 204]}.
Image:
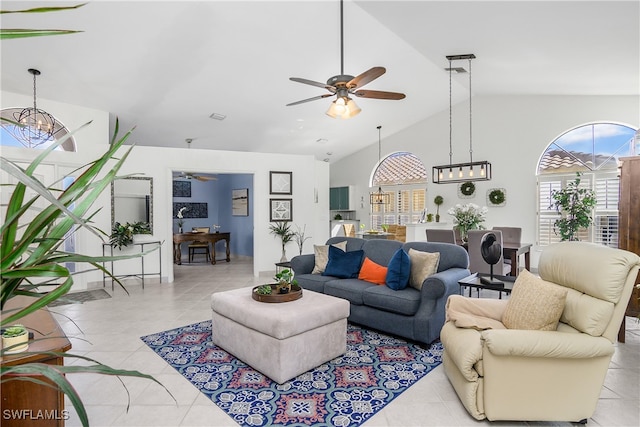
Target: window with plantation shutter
{"type": "Point", "coordinates": [403, 176]}
{"type": "Point", "coordinates": [592, 150]}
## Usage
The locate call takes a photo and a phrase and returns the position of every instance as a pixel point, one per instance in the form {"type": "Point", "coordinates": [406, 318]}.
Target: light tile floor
{"type": "Point", "coordinates": [111, 331]}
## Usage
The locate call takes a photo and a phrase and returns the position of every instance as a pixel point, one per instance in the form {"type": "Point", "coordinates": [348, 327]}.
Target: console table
{"type": "Point", "coordinates": [142, 273]}
{"type": "Point", "coordinates": [200, 237]}
{"type": "Point", "coordinates": [26, 397]}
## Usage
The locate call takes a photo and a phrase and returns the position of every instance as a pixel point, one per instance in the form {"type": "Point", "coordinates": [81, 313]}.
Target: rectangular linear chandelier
{"type": "Point", "coordinates": [461, 172]}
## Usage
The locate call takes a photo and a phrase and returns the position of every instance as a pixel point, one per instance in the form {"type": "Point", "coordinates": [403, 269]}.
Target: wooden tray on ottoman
{"type": "Point", "coordinates": [294, 294]}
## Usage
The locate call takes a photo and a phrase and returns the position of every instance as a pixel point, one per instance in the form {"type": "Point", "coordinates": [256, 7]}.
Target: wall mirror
{"type": "Point", "coordinates": [132, 200]}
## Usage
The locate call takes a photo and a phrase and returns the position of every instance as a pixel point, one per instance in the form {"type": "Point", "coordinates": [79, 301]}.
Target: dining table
{"type": "Point", "coordinates": [200, 237]}
{"type": "Point", "coordinates": [512, 251]}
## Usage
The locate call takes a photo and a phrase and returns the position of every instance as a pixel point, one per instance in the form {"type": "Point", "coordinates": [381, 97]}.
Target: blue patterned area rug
{"type": "Point", "coordinates": [345, 391]}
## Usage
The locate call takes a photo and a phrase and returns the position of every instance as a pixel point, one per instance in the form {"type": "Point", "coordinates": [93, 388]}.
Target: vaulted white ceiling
{"type": "Point", "coordinates": [166, 66]}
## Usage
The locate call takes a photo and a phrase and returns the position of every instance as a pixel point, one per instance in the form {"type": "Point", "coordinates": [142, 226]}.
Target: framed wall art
{"type": "Point", "coordinates": [240, 202]}
{"type": "Point", "coordinates": [181, 189]}
{"type": "Point", "coordinates": [280, 182]}
{"type": "Point", "coordinates": [281, 210]}
{"type": "Point", "coordinates": [193, 210]}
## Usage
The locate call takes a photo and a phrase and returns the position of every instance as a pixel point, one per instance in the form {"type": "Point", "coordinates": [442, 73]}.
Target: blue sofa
{"type": "Point", "coordinates": [417, 315]}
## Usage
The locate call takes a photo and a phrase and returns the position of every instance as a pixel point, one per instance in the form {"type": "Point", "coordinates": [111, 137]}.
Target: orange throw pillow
{"type": "Point", "coordinates": [372, 272]}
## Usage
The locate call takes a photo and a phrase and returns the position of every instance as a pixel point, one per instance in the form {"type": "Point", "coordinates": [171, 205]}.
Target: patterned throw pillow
{"type": "Point", "coordinates": [322, 255]}
{"type": "Point", "coordinates": [423, 265]}
{"type": "Point", "coordinates": [534, 304]}
{"type": "Point", "coordinates": [373, 272]}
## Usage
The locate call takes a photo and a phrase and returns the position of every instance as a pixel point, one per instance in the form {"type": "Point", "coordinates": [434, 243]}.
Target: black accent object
{"type": "Point", "coordinates": [194, 210]}
{"type": "Point", "coordinates": [491, 251]}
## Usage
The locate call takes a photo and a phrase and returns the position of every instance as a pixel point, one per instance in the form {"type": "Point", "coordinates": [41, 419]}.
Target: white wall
{"type": "Point", "coordinates": [308, 175]}
{"type": "Point", "coordinates": [509, 131]}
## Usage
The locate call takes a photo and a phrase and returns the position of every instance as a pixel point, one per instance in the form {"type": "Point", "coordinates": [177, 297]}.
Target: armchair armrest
{"type": "Point", "coordinates": [550, 344]}
{"type": "Point", "coordinates": [303, 264]}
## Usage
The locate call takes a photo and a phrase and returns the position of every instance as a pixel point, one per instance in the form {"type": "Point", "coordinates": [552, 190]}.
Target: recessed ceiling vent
{"type": "Point", "coordinates": [217, 116]}
{"type": "Point", "coordinates": [458, 70]}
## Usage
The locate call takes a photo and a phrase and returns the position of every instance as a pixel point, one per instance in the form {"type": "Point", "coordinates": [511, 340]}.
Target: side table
{"type": "Point", "coordinates": [142, 273]}
{"type": "Point", "coordinates": [474, 281]}
{"type": "Point", "coordinates": [282, 265]}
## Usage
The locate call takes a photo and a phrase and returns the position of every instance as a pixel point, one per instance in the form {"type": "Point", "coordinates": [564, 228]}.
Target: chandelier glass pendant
{"type": "Point", "coordinates": [461, 172]}
{"type": "Point", "coordinates": [35, 127]}
{"type": "Point", "coordinates": [379, 197]}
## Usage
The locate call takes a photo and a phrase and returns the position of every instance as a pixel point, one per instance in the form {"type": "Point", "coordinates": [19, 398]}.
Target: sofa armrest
{"type": "Point", "coordinates": [303, 264]}
{"type": "Point", "coordinates": [444, 283]}
{"type": "Point", "coordinates": [549, 344]}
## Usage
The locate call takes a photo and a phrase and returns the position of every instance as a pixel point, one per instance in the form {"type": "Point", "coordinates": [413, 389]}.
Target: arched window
{"type": "Point", "coordinates": [593, 150]}
{"type": "Point", "coordinates": [402, 176]}
{"type": "Point", "coordinates": [8, 131]}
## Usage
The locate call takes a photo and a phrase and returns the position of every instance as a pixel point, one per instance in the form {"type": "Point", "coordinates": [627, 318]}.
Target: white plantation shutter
{"type": "Point", "coordinates": [547, 214]}
{"type": "Point", "coordinates": [405, 206]}
{"type": "Point", "coordinates": [605, 214]}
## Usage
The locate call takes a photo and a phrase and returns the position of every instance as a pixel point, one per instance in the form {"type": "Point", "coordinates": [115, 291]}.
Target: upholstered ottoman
{"type": "Point", "coordinates": [281, 340]}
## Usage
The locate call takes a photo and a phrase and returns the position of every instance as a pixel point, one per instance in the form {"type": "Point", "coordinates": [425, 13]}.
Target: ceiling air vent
{"type": "Point", "coordinates": [217, 116]}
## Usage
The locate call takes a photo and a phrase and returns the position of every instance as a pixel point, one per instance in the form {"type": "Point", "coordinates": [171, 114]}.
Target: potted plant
{"type": "Point", "coordinates": [283, 230]}
{"type": "Point", "coordinates": [122, 235]}
{"type": "Point", "coordinates": [575, 205]}
{"type": "Point", "coordinates": [438, 201]}
{"type": "Point", "coordinates": [180, 216]}
{"type": "Point", "coordinates": [284, 281]}
{"type": "Point", "coordinates": [15, 339]}
{"type": "Point", "coordinates": [468, 217]}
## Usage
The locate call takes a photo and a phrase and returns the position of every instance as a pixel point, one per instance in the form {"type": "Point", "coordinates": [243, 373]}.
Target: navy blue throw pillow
{"type": "Point", "coordinates": [344, 265]}
{"type": "Point", "coordinates": [398, 270]}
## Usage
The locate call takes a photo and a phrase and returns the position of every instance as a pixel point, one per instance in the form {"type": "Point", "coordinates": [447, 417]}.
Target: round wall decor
{"type": "Point", "coordinates": [497, 196]}
{"type": "Point", "coordinates": [466, 190]}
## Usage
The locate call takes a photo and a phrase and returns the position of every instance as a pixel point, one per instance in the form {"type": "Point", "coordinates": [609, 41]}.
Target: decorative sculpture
{"type": "Point", "coordinates": [491, 252]}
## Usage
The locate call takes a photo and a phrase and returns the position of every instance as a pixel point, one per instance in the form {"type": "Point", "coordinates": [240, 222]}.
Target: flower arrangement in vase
{"type": "Point", "coordinates": [468, 217]}
{"type": "Point", "coordinates": [180, 216]}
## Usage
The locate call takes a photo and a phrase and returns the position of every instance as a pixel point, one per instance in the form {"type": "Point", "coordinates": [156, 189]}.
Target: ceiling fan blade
{"type": "Point", "coordinates": [366, 77]}
{"type": "Point", "coordinates": [310, 99]}
{"type": "Point", "coordinates": [378, 94]}
{"type": "Point", "coordinates": [312, 83]}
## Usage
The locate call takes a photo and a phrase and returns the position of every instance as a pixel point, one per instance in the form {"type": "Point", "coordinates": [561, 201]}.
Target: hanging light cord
{"type": "Point", "coordinates": [470, 131]}
{"type": "Point", "coordinates": [450, 123]}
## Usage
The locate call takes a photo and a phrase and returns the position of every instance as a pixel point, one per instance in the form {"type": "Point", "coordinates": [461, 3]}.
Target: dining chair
{"type": "Point", "coordinates": [477, 264]}
{"type": "Point", "coordinates": [458, 236]}
{"type": "Point", "coordinates": [510, 234]}
{"type": "Point", "coordinates": [440, 235]}
{"type": "Point", "coordinates": [196, 246]}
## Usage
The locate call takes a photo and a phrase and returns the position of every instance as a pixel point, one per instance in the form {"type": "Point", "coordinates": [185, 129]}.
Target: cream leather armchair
{"type": "Point", "coordinates": [535, 375]}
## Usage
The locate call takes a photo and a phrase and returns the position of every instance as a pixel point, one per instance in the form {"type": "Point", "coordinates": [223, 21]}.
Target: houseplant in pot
{"type": "Point", "coordinates": [438, 200]}
{"type": "Point", "coordinates": [574, 205]}
{"type": "Point", "coordinates": [282, 229]}
{"type": "Point", "coordinates": [15, 339]}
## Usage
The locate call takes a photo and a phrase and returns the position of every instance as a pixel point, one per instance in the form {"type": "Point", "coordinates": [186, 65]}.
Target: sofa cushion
{"type": "Point", "coordinates": [372, 272]}
{"type": "Point", "coordinates": [322, 255]}
{"type": "Point", "coordinates": [398, 271]}
{"type": "Point", "coordinates": [534, 304]}
{"type": "Point", "coordinates": [404, 301]}
{"type": "Point", "coordinates": [344, 265]}
{"type": "Point", "coordinates": [349, 289]}
{"type": "Point", "coordinates": [313, 282]}
{"type": "Point", "coordinates": [423, 265]}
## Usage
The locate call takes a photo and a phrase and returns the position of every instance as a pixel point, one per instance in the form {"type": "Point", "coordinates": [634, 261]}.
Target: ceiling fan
{"type": "Point", "coordinates": [344, 85]}
{"type": "Point", "coordinates": [191, 175]}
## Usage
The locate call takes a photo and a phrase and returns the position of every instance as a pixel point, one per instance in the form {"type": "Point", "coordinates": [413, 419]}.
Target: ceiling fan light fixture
{"type": "Point", "coordinates": [343, 108]}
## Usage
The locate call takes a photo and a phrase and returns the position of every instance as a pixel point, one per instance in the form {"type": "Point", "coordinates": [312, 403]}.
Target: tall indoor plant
{"type": "Point", "coordinates": [282, 229]}
{"type": "Point", "coordinates": [575, 205]}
